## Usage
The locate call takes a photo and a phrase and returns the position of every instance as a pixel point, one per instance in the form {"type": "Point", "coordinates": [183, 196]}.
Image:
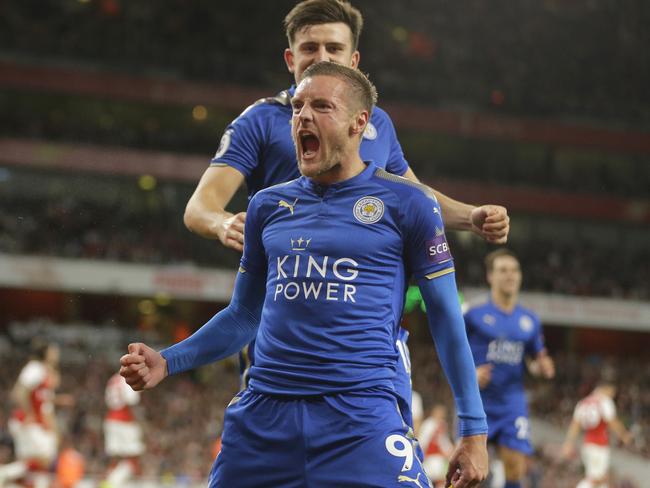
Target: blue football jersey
{"type": "Point", "coordinates": [258, 144]}
{"type": "Point", "coordinates": [336, 260]}
{"type": "Point", "coordinates": [503, 340]}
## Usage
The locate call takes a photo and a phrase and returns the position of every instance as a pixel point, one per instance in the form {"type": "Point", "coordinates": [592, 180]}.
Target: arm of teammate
{"type": "Point", "coordinates": [468, 465]}
{"type": "Point", "coordinates": [224, 334]}
{"type": "Point", "coordinates": [568, 447]}
{"type": "Point", "coordinates": [205, 212]}
{"type": "Point", "coordinates": [491, 222]}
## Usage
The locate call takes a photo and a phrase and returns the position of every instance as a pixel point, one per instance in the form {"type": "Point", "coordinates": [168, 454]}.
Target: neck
{"type": "Point", "coordinates": [505, 302]}
{"type": "Point", "coordinates": [347, 168]}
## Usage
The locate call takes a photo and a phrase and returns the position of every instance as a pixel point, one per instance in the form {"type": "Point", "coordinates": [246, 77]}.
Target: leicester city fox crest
{"type": "Point", "coordinates": [368, 210]}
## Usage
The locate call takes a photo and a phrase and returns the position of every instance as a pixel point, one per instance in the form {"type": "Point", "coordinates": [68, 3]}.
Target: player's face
{"type": "Point", "coordinates": [505, 277]}
{"type": "Point", "coordinates": [322, 126]}
{"type": "Point", "coordinates": [52, 355]}
{"type": "Point", "coordinates": [322, 42]}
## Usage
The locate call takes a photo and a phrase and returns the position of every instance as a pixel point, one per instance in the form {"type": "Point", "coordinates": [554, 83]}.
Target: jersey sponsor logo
{"type": "Point", "coordinates": [368, 210]}
{"type": "Point", "coordinates": [526, 323]}
{"type": "Point", "coordinates": [290, 206]}
{"type": "Point", "coordinates": [300, 244]}
{"type": "Point", "coordinates": [505, 352]}
{"type": "Point", "coordinates": [370, 132]}
{"type": "Point", "coordinates": [224, 144]}
{"type": "Point", "coordinates": [300, 277]}
{"type": "Point", "coordinates": [489, 319]}
{"type": "Point", "coordinates": [437, 248]}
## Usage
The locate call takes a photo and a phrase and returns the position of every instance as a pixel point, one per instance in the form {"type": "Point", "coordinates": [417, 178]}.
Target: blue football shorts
{"type": "Point", "coordinates": [510, 429]}
{"type": "Point", "coordinates": [354, 439]}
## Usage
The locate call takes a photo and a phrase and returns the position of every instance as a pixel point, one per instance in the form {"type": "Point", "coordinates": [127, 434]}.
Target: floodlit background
{"type": "Point", "coordinates": [110, 110]}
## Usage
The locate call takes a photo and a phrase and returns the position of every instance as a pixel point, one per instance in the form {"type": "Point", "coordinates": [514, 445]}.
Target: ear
{"type": "Point", "coordinates": [359, 123]}
{"type": "Point", "coordinates": [288, 58]}
{"type": "Point", "coordinates": [356, 57]}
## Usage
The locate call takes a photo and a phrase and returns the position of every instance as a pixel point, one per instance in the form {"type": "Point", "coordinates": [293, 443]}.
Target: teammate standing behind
{"type": "Point", "coordinates": [122, 433]}
{"type": "Point", "coordinates": [324, 281]}
{"type": "Point", "coordinates": [502, 334]}
{"type": "Point", "coordinates": [595, 415]}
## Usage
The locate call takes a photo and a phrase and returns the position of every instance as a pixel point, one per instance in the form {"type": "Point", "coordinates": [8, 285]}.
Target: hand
{"type": "Point", "coordinates": [546, 367]}
{"type": "Point", "coordinates": [627, 439]}
{"type": "Point", "coordinates": [468, 466]}
{"type": "Point", "coordinates": [568, 450]}
{"type": "Point", "coordinates": [231, 231]}
{"type": "Point", "coordinates": [491, 222]}
{"type": "Point", "coordinates": [484, 375]}
{"type": "Point", "coordinates": [143, 368]}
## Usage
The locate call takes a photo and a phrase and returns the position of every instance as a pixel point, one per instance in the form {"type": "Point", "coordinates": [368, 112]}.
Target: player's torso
{"type": "Point", "coordinates": [115, 396]}
{"type": "Point", "coordinates": [501, 339]}
{"type": "Point", "coordinates": [277, 161]}
{"type": "Point", "coordinates": [589, 413]}
{"type": "Point", "coordinates": [41, 396]}
{"type": "Point", "coordinates": [437, 430]}
{"type": "Point", "coordinates": [335, 282]}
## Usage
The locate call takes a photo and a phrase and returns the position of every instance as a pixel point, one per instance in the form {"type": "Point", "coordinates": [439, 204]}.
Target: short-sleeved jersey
{"type": "Point", "coordinates": [594, 413]}
{"type": "Point", "coordinates": [434, 438]}
{"type": "Point", "coordinates": [120, 397]}
{"type": "Point", "coordinates": [37, 379]}
{"type": "Point", "coordinates": [503, 339]}
{"type": "Point", "coordinates": [336, 260]}
{"type": "Point", "coordinates": [258, 144]}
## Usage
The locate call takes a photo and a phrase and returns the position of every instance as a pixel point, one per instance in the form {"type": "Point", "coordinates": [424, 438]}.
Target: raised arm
{"type": "Point", "coordinates": [205, 212]}
{"type": "Point", "coordinates": [491, 222]}
{"type": "Point", "coordinates": [224, 334]}
{"type": "Point", "coordinates": [468, 465]}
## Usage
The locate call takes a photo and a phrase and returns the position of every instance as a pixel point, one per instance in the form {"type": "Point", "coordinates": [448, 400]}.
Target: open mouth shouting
{"type": "Point", "coordinates": [309, 144]}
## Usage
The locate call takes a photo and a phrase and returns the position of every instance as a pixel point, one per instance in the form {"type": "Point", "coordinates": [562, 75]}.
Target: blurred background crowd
{"type": "Point", "coordinates": [110, 110]}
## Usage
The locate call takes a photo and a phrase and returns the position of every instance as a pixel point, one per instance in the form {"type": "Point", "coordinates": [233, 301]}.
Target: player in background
{"type": "Point", "coordinates": [33, 423]}
{"type": "Point", "coordinates": [502, 335]}
{"type": "Point", "coordinates": [417, 411]}
{"type": "Point", "coordinates": [256, 148]}
{"type": "Point", "coordinates": [122, 433]}
{"type": "Point", "coordinates": [327, 310]}
{"type": "Point", "coordinates": [436, 444]}
{"type": "Point", "coordinates": [595, 415]}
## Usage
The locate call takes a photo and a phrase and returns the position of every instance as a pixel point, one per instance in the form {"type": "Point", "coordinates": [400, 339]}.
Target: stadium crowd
{"type": "Point", "coordinates": [154, 234]}
{"type": "Point", "coordinates": [450, 58]}
{"type": "Point", "coordinates": [183, 420]}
